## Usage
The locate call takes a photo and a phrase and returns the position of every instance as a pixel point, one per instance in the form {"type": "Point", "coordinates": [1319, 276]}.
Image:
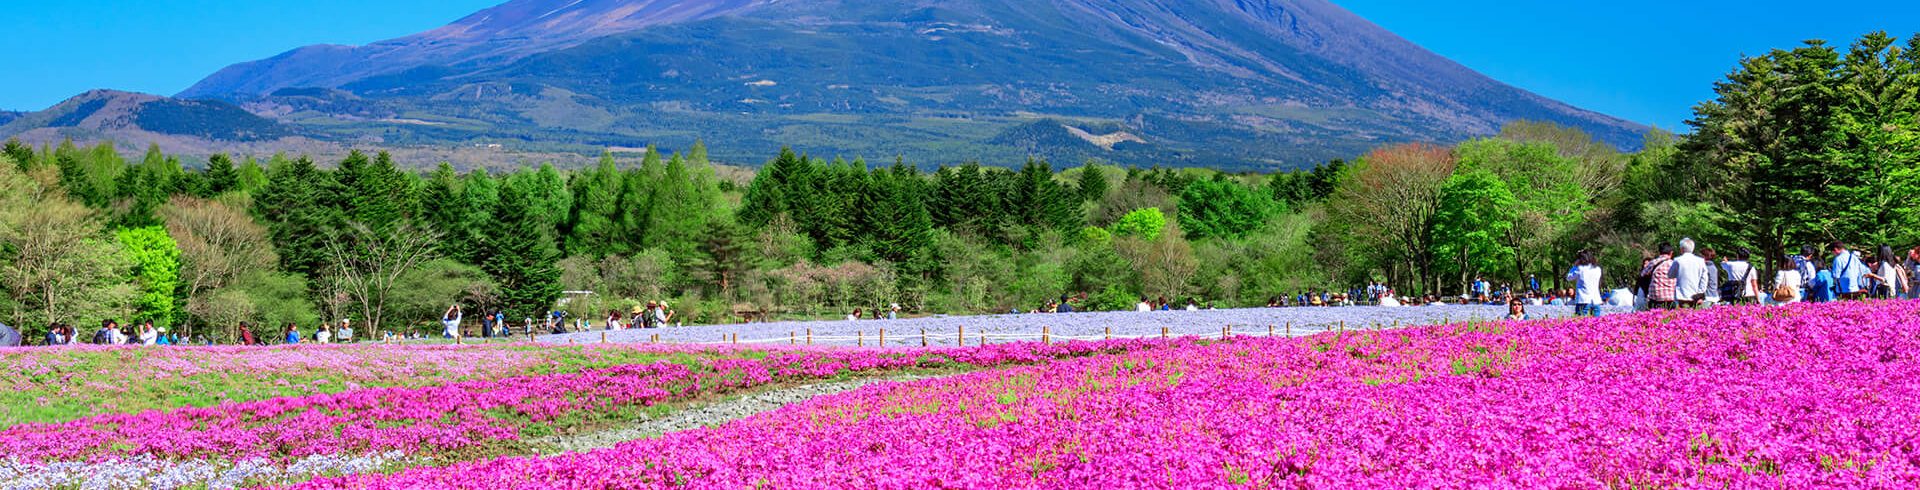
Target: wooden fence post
{"type": "Point", "coordinates": [883, 339]}
{"type": "Point", "coordinates": [809, 335]}
{"type": "Point", "coordinates": [923, 337]}
{"type": "Point", "coordinates": [793, 338]}
{"type": "Point", "coordinates": [1046, 335]}
{"type": "Point", "coordinates": [1109, 332]}
{"type": "Point", "coordinates": [960, 338]}
{"type": "Point", "coordinates": [1289, 329]}
{"type": "Point", "coordinates": [1163, 333]}
{"type": "Point", "coordinates": [862, 339]}
{"type": "Point", "coordinates": [603, 336]}
{"type": "Point", "coordinates": [1269, 330]}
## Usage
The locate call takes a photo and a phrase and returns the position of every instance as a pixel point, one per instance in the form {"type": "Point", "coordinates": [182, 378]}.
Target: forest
{"type": "Point", "coordinates": [1798, 146]}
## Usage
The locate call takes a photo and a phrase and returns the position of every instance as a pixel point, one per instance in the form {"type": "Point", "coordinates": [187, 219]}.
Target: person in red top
{"type": "Point", "coordinates": [1661, 282]}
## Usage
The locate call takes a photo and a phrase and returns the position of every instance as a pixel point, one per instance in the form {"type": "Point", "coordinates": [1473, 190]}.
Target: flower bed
{"type": "Point", "coordinates": [451, 422]}
{"type": "Point", "coordinates": [1809, 396]}
{"type": "Point", "coordinates": [64, 384]}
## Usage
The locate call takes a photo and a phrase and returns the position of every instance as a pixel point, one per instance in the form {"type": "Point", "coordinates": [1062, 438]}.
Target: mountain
{"type": "Point", "coordinates": [107, 114]}
{"type": "Point", "coordinates": [9, 116]}
{"type": "Point", "coordinates": [1237, 84]}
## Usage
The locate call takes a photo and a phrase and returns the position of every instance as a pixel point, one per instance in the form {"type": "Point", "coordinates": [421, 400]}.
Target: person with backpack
{"type": "Point", "coordinates": [1849, 272]}
{"type": "Point", "coordinates": [1741, 288]}
{"type": "Point", "coordinates": [104, 336]}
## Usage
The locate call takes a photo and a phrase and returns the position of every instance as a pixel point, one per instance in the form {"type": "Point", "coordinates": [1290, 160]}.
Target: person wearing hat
{"type": "Point", "coordinates": [346, 331]}
{"type": "Point", "coordinates": [164, 339]}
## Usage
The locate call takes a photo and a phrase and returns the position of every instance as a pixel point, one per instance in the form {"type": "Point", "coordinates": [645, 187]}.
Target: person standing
{"type": "Point", "coordinates": [293, 334]}
{"type": "Point", "coordinates": [346, 330]}
{"type": "Point", "coordinates": [322, 335]}
{"type": "Point", "coordinates": [1714, 281]}
{"type": "Point", "coordinates": [1820, 289]}
{"type": "Point", "coordinates": [450, 322]}
{"type": "Point", "coordinates": [1849, 272]}
{"type": "Point", "coordinates": [1887, 275]}
{"type": "Point", "coordinates": [1913, 273]}
{"type": "Point", "coordinates": [148, 335]}
{"type": "Point", "coordinates": [1742, 288]}
{"type": "Point", "coordinates": [1585, 276]}
{"type": "Point", "coordinates": [1788, 286]}
{"type": "Point", "coordinates": [246, 335]}
{"type": "Point", "coordinates": [1689, 273]}
{"type": "Point", "coordinates": [1658, 276]}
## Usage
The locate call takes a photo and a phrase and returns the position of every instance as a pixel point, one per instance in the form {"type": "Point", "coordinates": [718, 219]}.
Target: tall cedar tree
{"type": "Point", "coordinates": [1041, 202]}
{"type": "Point", "coordinates": [482, 194]}
{"type": "Point", "coordinates": [295, 208]}
{"type": "Point", "coordinates": [684, 200]}
{"type": "Point", "coordinates": [522, 257]}
{"type": "Point", "coordinates": [444, 209]}
{"type": "Point", "coordinates": [899, 228]}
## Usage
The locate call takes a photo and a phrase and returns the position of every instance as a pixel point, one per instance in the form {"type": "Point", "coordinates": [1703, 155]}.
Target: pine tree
{"type": "Point", "coordinates": [900, 227]}
{"type": "Point", "coordinates": [1040, 202]}
{"type": "Point", "coordinates": [221, 175]}
{"type": "Point", "coordinates": [767, 197]}
{"type": "Point", "coordinates": [444, 209]}
{"type": "Point", "coordinates": [1093, 182]}
{"type": "Point", "coordinates": [522, 257]}
{"type": "Point", "coordinates": [297, 216]}
{"type": "Point", "coordinates": [378, 194]}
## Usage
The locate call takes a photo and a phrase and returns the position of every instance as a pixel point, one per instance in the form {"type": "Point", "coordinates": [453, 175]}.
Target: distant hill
{"type": "Point", "coordinates": [9, 116]}
{"type": "Point", "coordinates": [1235, 84]}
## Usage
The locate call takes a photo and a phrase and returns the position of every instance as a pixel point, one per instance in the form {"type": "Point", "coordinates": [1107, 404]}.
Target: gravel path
{"type": "Point", "coordinates": [710, 415]}
{"type": "Point", "coordinates": [943, 330]}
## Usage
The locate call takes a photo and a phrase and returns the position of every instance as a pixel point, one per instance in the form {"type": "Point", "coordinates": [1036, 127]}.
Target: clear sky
{"type": "Point", "coordinates": [1643, 60]}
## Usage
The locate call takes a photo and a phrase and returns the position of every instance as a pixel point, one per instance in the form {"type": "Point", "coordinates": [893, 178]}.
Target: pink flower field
{"type": "Point", "coordinates": [1808, 396]}
{"type": "Point", "coordinates": [1814, 396]}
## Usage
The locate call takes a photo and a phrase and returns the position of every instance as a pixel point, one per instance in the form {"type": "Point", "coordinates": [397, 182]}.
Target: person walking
{"type": "Point", "coordinates": [1849, 272]}
{"type": "Point", "coordinates": [1585, 276]}
{"type": "Point", "coordinates": [1690, 279]}
{"type": "Point", "coordinates": [1659, 281]}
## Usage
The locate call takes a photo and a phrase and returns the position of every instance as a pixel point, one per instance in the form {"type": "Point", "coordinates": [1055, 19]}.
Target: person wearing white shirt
{"type": "Point", "coordinates": [1689, 275]}
{"type": "Point", "coordinates": [1585, 276]}
{"type": "Point", "coordinates": [1143, 307]}
{"type": "Point", "coordinates": [148, 335]}
{"type": "Point", "coordinates": [1741, 272]}
{"type": "Point", "coordinates": [1788, 281]}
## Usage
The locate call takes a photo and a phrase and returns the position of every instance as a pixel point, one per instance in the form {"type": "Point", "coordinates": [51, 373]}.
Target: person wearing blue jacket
{"type": "Point", "coordinates": [1849, 272]}
{"type": "Point", "coordinates": [293, 334]}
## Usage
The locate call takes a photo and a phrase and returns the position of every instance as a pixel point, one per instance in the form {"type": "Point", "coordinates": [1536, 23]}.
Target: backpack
{"type": "Point", "coordinates": [101, 337]}
{"type": "Point", "coordinates": [1735, 289]}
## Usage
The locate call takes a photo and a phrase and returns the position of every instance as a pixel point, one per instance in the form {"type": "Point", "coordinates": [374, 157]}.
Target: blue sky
{"type": "Point", "coordinates": [1647, 61]}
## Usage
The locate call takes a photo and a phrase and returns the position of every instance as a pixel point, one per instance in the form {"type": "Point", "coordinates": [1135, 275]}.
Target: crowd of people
{"type": "Point", "coordinates": [1691, 277]}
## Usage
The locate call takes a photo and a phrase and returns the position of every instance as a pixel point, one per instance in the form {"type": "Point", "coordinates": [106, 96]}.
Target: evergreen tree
{"type": "Point", "coordinates": [295, 211]}
{"type": "Point", "coordinates": [481, 194]}
{"type": "Point", "coordinates": [522, 257]}
{"type": "Point", "coordinates": [221, 176]}
{"type": "Point", "coordinates": [900, 228]}
{"type": "Point", "coordinates": [548, 190]}
{"type": "Point", "coordinates": [1042, 203]}
{"type": "Point", "coordinates": [251, 177]}
{"type": "Point", "coordinates": [770, 194]}
{"type": "Point", "coordinates": [594, 221]}
{"type": "Point", "coordinates": [24, 158]}
{"type": "Point", "coordinates": [443, 208]}
{"type": "Point", "coordinates": [1093, 182]}
{"type": "Point", "coordinates": [684, 200]}
{"type": "Point", "coordinates": [378, 194]}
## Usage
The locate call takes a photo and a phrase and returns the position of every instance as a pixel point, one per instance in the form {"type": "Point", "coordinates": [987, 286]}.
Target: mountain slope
{"type": "Point", "coordinates": [1251, 84]}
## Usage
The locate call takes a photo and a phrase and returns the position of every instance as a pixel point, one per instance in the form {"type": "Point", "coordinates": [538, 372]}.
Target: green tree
{"type": "Point", "coordinates": [295, 206]}
{"type": "Point", "coordinates": [684, 201]}
{"type": "Point", "coordinates": [1093, 182]}
{"type": "Point", "coordinates": [1877, 157]}
{"type": "Point", "coordinates": [1471, 226]}
{"type": "Point", "coordinates": [222, 176]}
{"type": "Point", "coordinates": [1144, 224]}
{"type": "Point", "coordinates": [1547, 191]}
{"type": "Point", "coordinates": [1220, 209]}
{"type": "Point", "coordinates": [156, 267]}
{"type": "Point", "coordinates": [596, 210]}
{"type": "Point", "coordinates": [523, 257]}
{"type": "Point", "coordinates": [54, 263]}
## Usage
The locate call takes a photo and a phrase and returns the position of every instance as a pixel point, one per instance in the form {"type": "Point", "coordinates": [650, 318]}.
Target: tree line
{"type": "Point", "coordinates": [1806, 145]}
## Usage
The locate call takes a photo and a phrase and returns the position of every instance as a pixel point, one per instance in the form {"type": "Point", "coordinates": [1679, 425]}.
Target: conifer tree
{"type": "Point", "coordinates": [221, 175]}
{"type": "Point", "coordinates": [522, 257]}
{"type": "Point", "coordinates": [594, 220]}
{"type": "Point", "coordinates": [295, 211]}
